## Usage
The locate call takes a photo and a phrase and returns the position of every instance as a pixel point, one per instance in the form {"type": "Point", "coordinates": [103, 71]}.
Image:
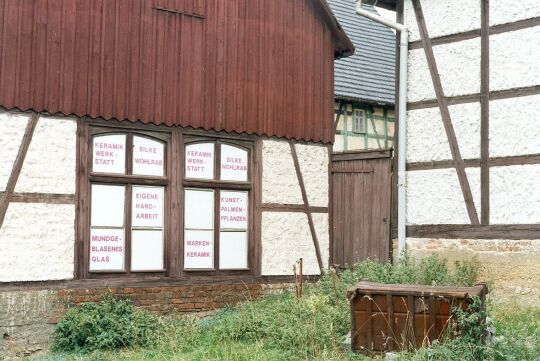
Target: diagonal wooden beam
{"type": "Point", "coordinates": [341, 104]}
{"type": "Point", "coordinates": [445, 114]}
{"type": "Point", "coordinates": [17, 166]}
{"type": "Point", "coordinates": [307, 209]}
{"type": "Point", "coordinates": [484, 113]}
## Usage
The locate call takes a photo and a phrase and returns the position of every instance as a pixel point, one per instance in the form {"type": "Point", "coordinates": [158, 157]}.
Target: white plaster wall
{"type": "Point", "coordinates": [513, 126]}
{"type": "Point", "coordinates": [279, 180]}
{"type": "Point", "coordinates": [285, 239]}
{"type": "Point", "coordinates": [514, 59]}
{"type": "Point", "coordinates": [435, 196]}
{"type": "Point", "coordinates": [12, 126]}
{"type": "Point", "coordinates": [37, 242]}
{"type": "Point", "coordinates": [322, 229]}
{"type": "Point", "coordinates": [49, 166]}
{"type": "Point", "coordinates": [313, 159]}
{"type": "Point", "coordinates": [506, 11]}
{"type": "Point", "coordinates": [515, 194]}
{"type": "Point", "coordinates": [426, 136]}
{"type": "Point", "coordinates": [458, 65]}
{"type": "Point", "coordinates": [443, 17]}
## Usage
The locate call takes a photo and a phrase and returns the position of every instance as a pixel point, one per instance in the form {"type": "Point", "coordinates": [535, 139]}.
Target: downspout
{"type": "Point", "coordinates": [402, 116]}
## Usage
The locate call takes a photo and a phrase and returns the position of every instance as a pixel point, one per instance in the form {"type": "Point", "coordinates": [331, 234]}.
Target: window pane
{"type": "Point", "coordinates": [107, 207]}
{"type": "Point", "coordinates": [147, 207]}
{"type": "Point", "coordinates": [199, 209]}
{"type": "Point", "coordinates": [198, 249]}
{"type": "Point", "coordinates": [233, 210]}
{"type": "Point", "coordinates": [233, 250]}
{"type": "Point", "coordinates": [107, 249]}
{"type": "Point", "coordinates": [200, 161]}
{"type": "Point", "coordinates": [109, 154]}
{"type": "Point", "coordinates": [234, 163]}
{"type": "Point", "coordinates": [148, 156]}
{"type": "Point", "coordinates": [146, 250]}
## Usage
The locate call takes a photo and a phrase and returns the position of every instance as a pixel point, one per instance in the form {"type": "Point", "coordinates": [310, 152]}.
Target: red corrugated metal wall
{"type": "Point", "coordinates": [255, 66]}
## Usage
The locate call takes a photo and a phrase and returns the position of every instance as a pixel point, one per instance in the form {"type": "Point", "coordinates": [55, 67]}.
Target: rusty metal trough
{"type": "Point", "coordinates": [390, 317]}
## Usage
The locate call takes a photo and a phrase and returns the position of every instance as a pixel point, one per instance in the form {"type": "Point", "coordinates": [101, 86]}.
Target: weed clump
{"type": "Point", "coordinates": [109, 324]}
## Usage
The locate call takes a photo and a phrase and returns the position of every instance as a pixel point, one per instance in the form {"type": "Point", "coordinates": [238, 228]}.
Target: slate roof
{"type": "Point", "coordinates": [368, 75]}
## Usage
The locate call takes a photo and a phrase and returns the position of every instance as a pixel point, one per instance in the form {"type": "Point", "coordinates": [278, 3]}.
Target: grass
{"type": "Point", "coordinates": [281, 327]}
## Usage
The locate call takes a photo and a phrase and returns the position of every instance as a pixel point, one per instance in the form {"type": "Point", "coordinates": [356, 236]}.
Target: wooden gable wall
{"type": "Point", "coordinates": [255, 66]}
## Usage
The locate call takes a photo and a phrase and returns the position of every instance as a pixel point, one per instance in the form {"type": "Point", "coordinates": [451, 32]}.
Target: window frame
{"type": "Point", "coordinates": [217, 186]}
{"type": "Point", "coordinates": [174, 139]}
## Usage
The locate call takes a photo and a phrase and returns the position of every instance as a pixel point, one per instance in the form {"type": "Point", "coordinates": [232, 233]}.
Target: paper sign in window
{"type": "Point", "coordinates": [146, 250]}
{"type": "Point", "coordinates": [233, 250]}
{"type": "Point", "coordinates": [107, 207]}
{"type": "Point", "coordinates": [147, 207]}
{"type": "Point", "coordinates": [198, 249]}
{"type": "Point", "coordinates": [233, 210]}
{"type": "Point", "coordinates": [200, 161]}
{"type": "Point", "coordinates": [148, 156]}
{"type": "Point", "coordinates": [109, 154]}
{"type": "Point", "coordinates": [234, 163]}
{"type": "Point", "coordinates": [199, 209]}
{"type": "Point", "coordinates": [107, 250]}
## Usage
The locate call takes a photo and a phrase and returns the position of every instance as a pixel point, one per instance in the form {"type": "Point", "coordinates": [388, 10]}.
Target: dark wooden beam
{"type": "Point", "coordinates": [306, 205]}
{"type": "Point", "coordinates": [473, 98]}
{"type": "Point", "coordinates": [445, 114]}
{"type": "Point", "coordinates": [361, 155]}
{"type": "Point", "coordinates": [484, 113]}
{"type": "Point", "coordinates": [468, 231]}
{"type": "Point", "coordinates": [50, 198]}
{"type": "Point", "coordinates": [278, 207]}
{"type": "Point", "coordinates": [472, 34]}
{"type": "Point", "coordinates": [470, 163]}
{"type": "Point", "coordinates": [17, 165]}
{"type": "Point", "coordinates": [341, 104]}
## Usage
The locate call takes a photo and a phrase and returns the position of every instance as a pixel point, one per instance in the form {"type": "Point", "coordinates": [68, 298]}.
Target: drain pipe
{"type": "Point", "coordinates": [402, 110]}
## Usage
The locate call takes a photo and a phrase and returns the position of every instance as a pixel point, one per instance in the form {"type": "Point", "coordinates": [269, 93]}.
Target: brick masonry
{"type": "Point", "coordinates": [28, 316]}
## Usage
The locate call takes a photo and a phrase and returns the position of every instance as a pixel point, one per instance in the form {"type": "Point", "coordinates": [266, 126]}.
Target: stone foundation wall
{"type": "Point", "coordinates": [510, 267]}
{"type": "Point", "coordinates": [28, 316]}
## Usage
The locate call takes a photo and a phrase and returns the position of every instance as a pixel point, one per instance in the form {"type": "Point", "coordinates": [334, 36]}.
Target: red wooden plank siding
{"type": "Point", "coordinates": [253, 66]}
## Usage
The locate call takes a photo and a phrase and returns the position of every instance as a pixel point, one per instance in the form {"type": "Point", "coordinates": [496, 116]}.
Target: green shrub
{"type": "Point", "coordinates": [109, 324]}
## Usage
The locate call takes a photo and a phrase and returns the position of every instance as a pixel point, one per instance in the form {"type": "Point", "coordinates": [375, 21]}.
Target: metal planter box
{"type": "Point", "coordinates": [387, 317]}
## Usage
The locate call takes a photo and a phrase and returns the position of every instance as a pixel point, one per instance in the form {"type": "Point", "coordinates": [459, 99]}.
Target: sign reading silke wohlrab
{"type": "Point", "coordinates": [148, 156]}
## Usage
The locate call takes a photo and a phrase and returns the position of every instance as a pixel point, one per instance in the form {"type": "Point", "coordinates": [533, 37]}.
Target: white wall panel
{"type": "Point", "coordinates": [313, 159]}
{"type": "Point", "coordinates": [513, 126]}
{"type": "Point", "coordinates": [514, 59]}
{"type": "Point", "coordinates": [444, 17]}
{"type": "Point", "coordinates": [279, 180]}
{"type": "Point", "coordinates": [426, 136]}
{"type": "Point", "coordinates": [435, 196]}
{"type": "Point", "coordinates": [12, 126]}
{"type": "Point", "coordinates": [37, 242]}
{"type": "Point", "coordinates": [285, 239]}
{"type": "Point", "coordinates": [506, 11]}
{"type": "Point", "coordinates": [458, 65]}
{"type": "Point", "coordinates": [49, 166]}
{"type": "Point", "coordinates": [515, 194]}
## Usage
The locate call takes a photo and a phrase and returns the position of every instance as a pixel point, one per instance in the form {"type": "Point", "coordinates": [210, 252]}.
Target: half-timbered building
{"type": "Point", "coordinates": [175, 152]}
{"type": "Point", "coordinates": [473, 145]}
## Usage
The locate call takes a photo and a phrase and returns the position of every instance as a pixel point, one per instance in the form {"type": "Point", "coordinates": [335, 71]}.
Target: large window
{"type": "Point", "coordinates": [216, 222]}
{"type": "Point", "coordinates": [127, 202]}
{"type": "Point", "coordinates": [166, 203]}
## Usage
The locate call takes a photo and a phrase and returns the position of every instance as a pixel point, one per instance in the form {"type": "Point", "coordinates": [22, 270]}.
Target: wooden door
{"type": "Point", "coordinates": [361, 186]}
